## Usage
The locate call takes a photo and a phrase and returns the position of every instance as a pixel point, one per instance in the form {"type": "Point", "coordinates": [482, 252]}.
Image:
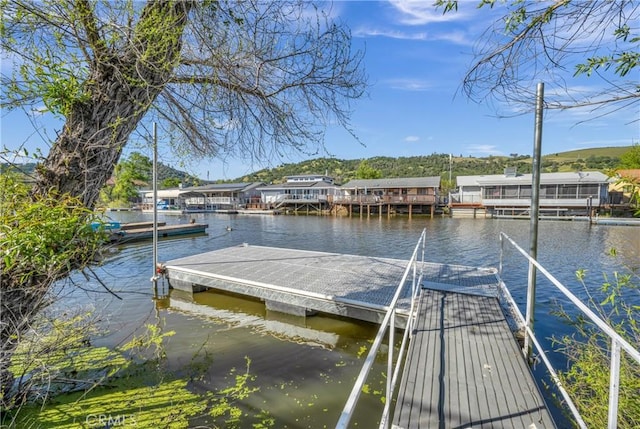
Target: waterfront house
{"type": "Point", "coordinates": [211, 197]}
{"type": "Point", "coordinates": [395, 195]}
{"type": "Point", "coordinates": [509, 194]}
{"type": "Point", "coordinates": [305, 192]}
{"type": "Point", "coordinates": [622, 200]}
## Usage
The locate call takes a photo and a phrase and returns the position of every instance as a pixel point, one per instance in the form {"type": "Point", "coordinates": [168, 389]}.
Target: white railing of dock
{"type": "Point", "coordinates": [618, 344]}
{"type": "Point", "coordinates": [414, 268]}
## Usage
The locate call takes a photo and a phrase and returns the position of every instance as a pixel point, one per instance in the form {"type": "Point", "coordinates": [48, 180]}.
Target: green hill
{"type": "Point", "coordinates": [343, 170]}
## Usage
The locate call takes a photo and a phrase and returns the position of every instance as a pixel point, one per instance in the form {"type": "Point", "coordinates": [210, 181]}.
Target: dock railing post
{"type": "Point", "coordinates": [154, 277]}
{"type": "Point", "coordinates": [501, 256]}
{"type": "Point", "coordinates": [614, 385]}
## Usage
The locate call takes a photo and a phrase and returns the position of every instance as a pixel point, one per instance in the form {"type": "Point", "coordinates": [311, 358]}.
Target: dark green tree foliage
{"type": "Point", "coordinates": [128, 175]}
{"type": "Point", "coordinates": [631, 158]}
{"type": "Point", "coordinates": [424, 166]}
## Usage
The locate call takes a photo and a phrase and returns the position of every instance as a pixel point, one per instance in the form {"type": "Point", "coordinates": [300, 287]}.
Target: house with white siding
{"type": "Point", "coordinates": [300, 192]}
{"type": "Point", "coordinates": [566, 193]}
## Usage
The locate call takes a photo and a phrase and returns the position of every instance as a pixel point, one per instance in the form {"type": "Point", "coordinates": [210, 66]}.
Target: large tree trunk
{"type": "Point", "coordinates": [122, 87]}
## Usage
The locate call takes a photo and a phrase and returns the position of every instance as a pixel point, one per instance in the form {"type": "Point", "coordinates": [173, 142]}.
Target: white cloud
{"type": "Point", "coordinates": [483, 149]}
{"type": "Point", "coordinates": [392, 34]}
{"type": "Point", "coordinates": [409, 84]}
{"type": "Point", "coordinates": [411, 139]}
{"type": "Point", "coordinates": [454, 36]}
{"type": "Point", "coordinates": [420, 12]}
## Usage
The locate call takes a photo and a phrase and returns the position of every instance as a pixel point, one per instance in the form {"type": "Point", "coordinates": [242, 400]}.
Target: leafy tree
{"type": "Point", "coordinates": [42, 238]}
{"type": "Point", "coordinates": [365, 171]}
{"type": "Point", "coordinates": [220, 77]}
{"type": "Point", "coordinates": [540, 41]}
{"type": "Point", "coordinates": [631, 158]}
{"type": "Point", "coordinates": [127, 177]}
{"type": "Point", "coordinates": [171, 182]}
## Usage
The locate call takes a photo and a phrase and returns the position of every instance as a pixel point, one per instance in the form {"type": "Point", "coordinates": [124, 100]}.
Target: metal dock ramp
{"type": "Point", "coordinates": [464, 369]}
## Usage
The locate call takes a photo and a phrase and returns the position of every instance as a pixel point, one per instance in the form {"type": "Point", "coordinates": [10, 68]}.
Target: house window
{"type": "Point", "coordinates": [509, 192]}
{"type": "Point", "coordinates": [525, 191]}
{"type": "Point", "coordinates": [491, 192]}
{"type": "Point", "coordinates": [548, 191]}
{"type": "Point", "coordinates": [586, 191]}
{"type": "Point", "coordinates": [568, 191]}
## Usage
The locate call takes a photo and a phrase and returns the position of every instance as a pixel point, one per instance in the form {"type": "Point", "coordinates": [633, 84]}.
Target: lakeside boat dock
{"type": "Point", "coordinates": [139, 231]}
{"type": "Point", "coordinates": [464, 367]}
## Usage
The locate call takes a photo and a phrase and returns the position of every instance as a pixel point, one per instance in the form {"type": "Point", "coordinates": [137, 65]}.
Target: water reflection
{"type": "Point", "coordinates": [317, 330]}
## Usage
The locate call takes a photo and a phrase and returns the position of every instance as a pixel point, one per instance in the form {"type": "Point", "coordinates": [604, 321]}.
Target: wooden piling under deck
{"type": "Point", "coordinates": [464, 368]}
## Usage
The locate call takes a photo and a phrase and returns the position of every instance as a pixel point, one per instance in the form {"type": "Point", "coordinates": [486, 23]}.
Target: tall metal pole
{"type": "Point", "coordinates": [535, 210]}
{"type": "Point", "coordinates": [154, 278]}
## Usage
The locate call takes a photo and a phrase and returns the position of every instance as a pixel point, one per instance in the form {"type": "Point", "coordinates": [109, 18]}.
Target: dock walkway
{"type": "Point", "coordinates": [463, 369]}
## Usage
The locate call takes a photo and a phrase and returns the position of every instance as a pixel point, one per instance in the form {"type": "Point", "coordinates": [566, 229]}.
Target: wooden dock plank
{"type": "Point", "coordinates": [465, 370]}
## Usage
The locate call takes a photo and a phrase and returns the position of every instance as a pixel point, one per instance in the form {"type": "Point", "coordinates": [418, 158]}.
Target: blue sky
{"type": "Point", "coordinates": [415, 59]}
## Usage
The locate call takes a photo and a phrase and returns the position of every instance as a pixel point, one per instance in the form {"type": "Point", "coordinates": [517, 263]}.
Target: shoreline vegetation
{"type": "Point", "coordinates": [79, 385]}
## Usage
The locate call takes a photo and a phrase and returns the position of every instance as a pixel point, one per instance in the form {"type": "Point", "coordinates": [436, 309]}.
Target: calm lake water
{"type": "Point", "coordinates": [305, 370]}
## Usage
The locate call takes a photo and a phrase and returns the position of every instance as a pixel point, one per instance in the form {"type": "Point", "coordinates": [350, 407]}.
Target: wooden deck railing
{"type": "Point", "coordinates": [384, 199]}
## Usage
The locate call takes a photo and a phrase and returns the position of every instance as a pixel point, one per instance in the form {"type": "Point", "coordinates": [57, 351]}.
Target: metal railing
{"type": "Point", "coordinates": [388, 324]}
{"type": "Point", "coordinates": [617, 342]}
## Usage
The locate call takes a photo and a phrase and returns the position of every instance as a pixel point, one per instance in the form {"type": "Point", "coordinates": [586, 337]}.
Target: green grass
{"type": "Point", "coordinates": [574, 155]}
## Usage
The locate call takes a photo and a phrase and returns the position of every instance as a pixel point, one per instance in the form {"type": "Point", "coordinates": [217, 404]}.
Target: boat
{"type": "Point", "coordinates": [144, 231]}
{"type": "Point", "coordinates": [258, 211]}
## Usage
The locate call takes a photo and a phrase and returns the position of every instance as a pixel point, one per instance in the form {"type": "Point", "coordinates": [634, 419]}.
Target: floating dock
{"type": "Point", "coordinates": [144, 231]}
{"type": "Point", "coordinates": [464, 368]}
{"type": "Point", "coordinates": [295, 281]}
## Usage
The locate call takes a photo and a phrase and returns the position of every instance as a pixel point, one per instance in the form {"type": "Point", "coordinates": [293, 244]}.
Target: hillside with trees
{"type": "Point", "coordinates": [342, 171]}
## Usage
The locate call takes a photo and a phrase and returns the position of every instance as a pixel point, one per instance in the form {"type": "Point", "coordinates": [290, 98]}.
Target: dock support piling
{"type": "Point", "coordinates": [535, 212]}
